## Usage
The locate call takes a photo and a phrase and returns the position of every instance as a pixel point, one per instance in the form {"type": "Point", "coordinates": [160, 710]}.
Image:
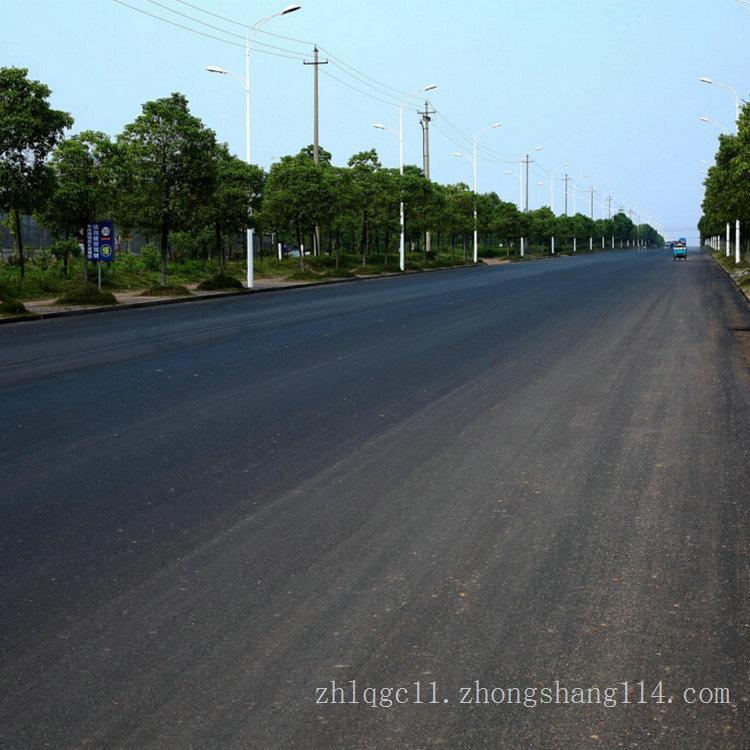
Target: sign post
{"type": "Point", "coordinates": [101, 245]}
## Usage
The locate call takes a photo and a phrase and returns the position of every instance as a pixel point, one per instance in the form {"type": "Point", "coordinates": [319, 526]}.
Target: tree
{"type": "Point", "coordinates": [82, 187]}
{"type": "Point", "coordinates": [505, 221]}
{"type": "Point", "coordinates": [459, 201]}
{"type": "Point", "coordinates": [29, 130]}
{"type": "Point", "coordinates": [622, 227]}
{"type": "Point", "coordinates": [344, 206]}
{"type": "Point", "coordinates": [542, 224]}
{"type": "Point", "coordinates": [296, 197]}
{"type": "Point", "coordinates": [166, 167]}
{"type": "Point", "coordinates": [236, 193]}
{"type": "Point", "coordinates": [324, 157]}
{"type": "Point", "coordinates": [420, 201]}
{"type": "Point", "coordinates": [364, 166]}
{"type": "Point", "coordinates": [583, 227]}
{"type": "Point", "coordinates": [564, 228]}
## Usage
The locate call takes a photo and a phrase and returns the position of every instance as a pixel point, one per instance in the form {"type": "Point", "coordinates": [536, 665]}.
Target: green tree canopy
{"type": "Point", "coordinates": [236, 193]}
{"type": "Point", "coordinates": [297, 197]}
{"type": "Point", "coordinates": [166, 168]}
{"type": "Point", "coordinates": [82, 185]}
{"type": "Point", "coordinates": [29, 130]}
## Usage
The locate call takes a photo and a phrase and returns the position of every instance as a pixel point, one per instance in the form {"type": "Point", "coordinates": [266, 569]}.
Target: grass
{"type": "Point", "coordinates": [87, 294]}
{"type": "Point", "coordinates": [45, 277]}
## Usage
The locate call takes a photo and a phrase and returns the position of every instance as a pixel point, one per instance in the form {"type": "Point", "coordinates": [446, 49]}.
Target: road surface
{"type": "Point", "coordinates": [534, 476]}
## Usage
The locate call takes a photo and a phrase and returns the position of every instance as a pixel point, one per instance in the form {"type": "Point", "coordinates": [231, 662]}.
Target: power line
{"type": "Point", "coordinates": [480, 157]}
{"type": "Point", "coordinates": [178, 25]}
{"type": "Point", "coordinates": [342, 64]}
{"type": "Point", "coordinates": [360, 80]}
{"type": "Point", "coordinates": [202, 33]}
{"type": "Point", "coordinates": [223, 31]}
{"type": "Point", "coordinates": [354, 88]}
{"type": "Point", "coordinates": [244, 25]}
{"type": "Point", "coordinates": [403, 94]}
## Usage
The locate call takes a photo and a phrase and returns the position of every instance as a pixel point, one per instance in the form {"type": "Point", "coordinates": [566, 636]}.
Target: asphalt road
{"type": "Point", "coordinates": [513, 475]}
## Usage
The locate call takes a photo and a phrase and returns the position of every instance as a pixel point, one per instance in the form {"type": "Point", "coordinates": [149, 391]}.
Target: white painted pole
{"type": "Point", "coordinates": [476, 198]}
{"type": "Point", "coordinates": [552, 192]}
{"type": "Point", "coordinates": [523, 249]}
{"type": "Point", "coordinates": [575, 244]}
{"type": "Point", "coordinates": [729, 240]}
{"type": "Point", "coordinates": [553, 245]}
{"type": "Point", "coordinates": [737, 242]}
{"type": "Point", "coordinates": [402, 241]}
{"type": "Point", "coordinates": [250, 233]}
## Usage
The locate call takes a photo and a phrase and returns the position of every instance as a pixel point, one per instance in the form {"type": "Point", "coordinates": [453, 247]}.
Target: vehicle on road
{"type": "Point", "coordinates": [679, 251]}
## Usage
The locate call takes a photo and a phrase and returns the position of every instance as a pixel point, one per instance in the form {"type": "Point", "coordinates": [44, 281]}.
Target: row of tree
{"type": "Point", "coordinates": [166, 172]}
{"type": "Point", "coordinates": [727, 195]}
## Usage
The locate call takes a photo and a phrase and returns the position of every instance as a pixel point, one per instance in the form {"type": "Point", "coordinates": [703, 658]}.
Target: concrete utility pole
{"type": "Point", "coordinates": [566, 194]}
{"type": "Point", "coordinates": [425, 122]}
{"type": "Point", "coordinates": [316, 130]}
{"type": "Point", "coordinates": [315, 63]}
{"type": "Point", "coordinates": [737, 253]}
{"type": "Point", "coordinates": [526, 160]}
{"type": "Point", "coordinates": [609, 211]}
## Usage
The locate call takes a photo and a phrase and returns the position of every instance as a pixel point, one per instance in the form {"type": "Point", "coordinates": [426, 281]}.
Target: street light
{"type": "Point", "coordinates": [245, 80]}
{"type": "Point", "coordinates": [552, 185]}
{"type": "Point", "coordinates": [400, 135]}
{"type": "Point", "coordinates": [709, 121]}
{"type": "Point", "coordinates": [542, 185]}
{"type": "Point", "coordinates": [575, 201]}
{"type": "Point", "coordinates": [526, 161]}
{"type": "Point", "coordinates": [476, 196]}
{"type": "Point", "coordinates": [732, 92]}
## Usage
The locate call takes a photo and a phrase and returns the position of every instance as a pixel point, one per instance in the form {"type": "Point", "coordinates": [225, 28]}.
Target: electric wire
{"type": "Point", "coordinates": [198, 32]}
{"type": "Point", "coordinates": [382, 90]}
{"type": "Point", "coordinates": [223, 31]}
{"type": "Point", "coordinates": [360, 91]}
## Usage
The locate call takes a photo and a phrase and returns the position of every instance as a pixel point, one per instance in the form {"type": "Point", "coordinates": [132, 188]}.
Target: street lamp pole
{"type": "Point", "coordinates": [552, 189]}
{"type": "Point", "coordinates": [476, 195]}
{"type": "Point", "coordinates": [246, 85]}
{"type": "Point", "coordinates": [709, 121]}
{"type": "Point", "coordinates": [732, 92]}
{"type": "Point", "coordinates": [400, 136]}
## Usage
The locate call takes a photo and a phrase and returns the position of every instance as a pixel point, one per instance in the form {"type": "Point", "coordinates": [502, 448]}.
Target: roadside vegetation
{"type": "Point", "coordinates": [727, 195]}
{"type": "Point", "coordinates": [739, 272]}
{"type": "Point", "coordinates": [166, 178]}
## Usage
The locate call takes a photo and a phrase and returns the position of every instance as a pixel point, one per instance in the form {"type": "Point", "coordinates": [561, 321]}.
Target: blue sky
{"type": "Point", "coordinates": [610, 87]}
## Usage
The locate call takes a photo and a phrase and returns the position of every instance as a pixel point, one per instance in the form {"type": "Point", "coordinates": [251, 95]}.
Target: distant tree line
{"type": "Point", "coordinates": [166, 174]}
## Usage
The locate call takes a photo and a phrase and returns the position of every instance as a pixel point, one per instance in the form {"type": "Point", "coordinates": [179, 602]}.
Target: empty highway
{"type": "Point", "coordinates": [532, 476]}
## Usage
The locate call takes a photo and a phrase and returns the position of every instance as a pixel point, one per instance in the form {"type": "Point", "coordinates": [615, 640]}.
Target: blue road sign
{"type": "Point", "coordinates": [101, 241]}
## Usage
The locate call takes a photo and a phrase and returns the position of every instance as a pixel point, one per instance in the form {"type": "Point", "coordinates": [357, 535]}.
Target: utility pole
{"type": "Point", "coordinates": [609, 212]}
{"type": "Point", "coordinates": [316, 131]}
{"type": "Point", "coordinates": [566, 194]}
{"type": "Point", "coordinates": [425, 122]}
{"type": "Point", "coordinates": [592, 203]}
{"type": "Point", "coordinates": [315, 63]}
{"type": "Point", "coordinates": [526, 160]}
